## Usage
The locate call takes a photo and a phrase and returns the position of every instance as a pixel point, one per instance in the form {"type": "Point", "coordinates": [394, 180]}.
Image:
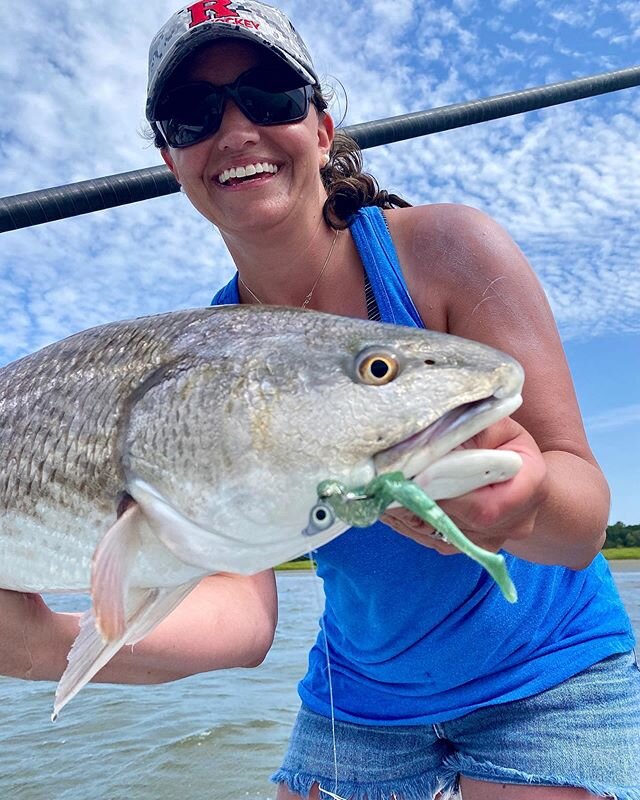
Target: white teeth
{"type": "Point", "coordinates": [247, 171]}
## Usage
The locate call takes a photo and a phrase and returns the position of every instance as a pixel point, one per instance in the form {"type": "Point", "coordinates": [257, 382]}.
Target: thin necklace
{"type": "Point", "coordinates": [307, 299]}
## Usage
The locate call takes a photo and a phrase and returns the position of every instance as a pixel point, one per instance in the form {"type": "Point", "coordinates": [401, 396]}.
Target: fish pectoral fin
{"type": "Point", "coordinates": [112, 563]}
{"type": "Point", "coordinates": [462, 471]}
{"type": "Point", "coordinates": [89, 652]}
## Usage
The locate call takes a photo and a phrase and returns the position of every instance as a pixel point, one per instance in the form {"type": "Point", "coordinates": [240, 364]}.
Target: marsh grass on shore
{"type": "Point", "coordinates": [291, 566]}
{"type": "Point", "coordinates": [621, 553]}
{"type": "Point", "coordinates": [610, 553]}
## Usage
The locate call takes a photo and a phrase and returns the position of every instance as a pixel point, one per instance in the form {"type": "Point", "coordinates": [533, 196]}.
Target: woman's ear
{"type": "Point", "coordinates": [326, 130]}
{"type": "Point", "coordinates": [164, 152]}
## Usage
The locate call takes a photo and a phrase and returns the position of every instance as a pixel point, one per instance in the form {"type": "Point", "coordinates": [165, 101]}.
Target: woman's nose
{"type": "Point", "coordinates": [236, 130]}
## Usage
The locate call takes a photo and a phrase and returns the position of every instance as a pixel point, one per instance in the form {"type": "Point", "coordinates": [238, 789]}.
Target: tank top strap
{"type": "Point", "coordinates": [380, 261]}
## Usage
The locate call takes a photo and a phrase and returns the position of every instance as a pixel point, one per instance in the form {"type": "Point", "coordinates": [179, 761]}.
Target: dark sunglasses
{"type": "Point", "coordinates": [190, 113]}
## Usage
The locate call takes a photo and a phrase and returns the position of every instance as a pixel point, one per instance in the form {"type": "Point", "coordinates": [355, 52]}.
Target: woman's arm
{"type": "Point", "coordinates": [469, 278]}
{"type": "Point", "coordinates": [226, 621]}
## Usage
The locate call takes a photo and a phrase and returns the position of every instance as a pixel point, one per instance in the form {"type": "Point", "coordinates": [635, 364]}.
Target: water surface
{"type": "Point", "coordinates": [216, 736]}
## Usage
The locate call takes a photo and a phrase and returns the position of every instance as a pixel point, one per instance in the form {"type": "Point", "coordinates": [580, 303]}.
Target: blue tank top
{"type": "Point", "coordinates": [415, 637]}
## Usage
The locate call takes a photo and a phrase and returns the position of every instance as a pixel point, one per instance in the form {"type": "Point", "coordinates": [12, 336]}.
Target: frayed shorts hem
{"type": "Point", "coordinates": [418, 788]}
{"type": "Point", "coordinates": [422, 788]}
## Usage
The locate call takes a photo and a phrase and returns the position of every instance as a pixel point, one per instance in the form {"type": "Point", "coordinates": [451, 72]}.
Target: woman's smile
{"type": "Point", "coordinates": [255, 172]}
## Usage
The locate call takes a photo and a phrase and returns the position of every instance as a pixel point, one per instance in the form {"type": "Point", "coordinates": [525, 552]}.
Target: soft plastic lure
{"type": "Point", "coordinates": [362, 506]}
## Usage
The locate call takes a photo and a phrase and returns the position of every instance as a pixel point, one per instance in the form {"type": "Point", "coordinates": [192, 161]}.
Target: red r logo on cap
{"type": "Point", "coordinates": [201, 12]}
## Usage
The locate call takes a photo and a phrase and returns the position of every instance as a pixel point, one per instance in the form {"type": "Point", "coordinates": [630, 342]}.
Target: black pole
{"type": "Point", "coordinates": [46, 205]}
{"type": "Point", "coordinates": [422, 123]}
{"type": "Point", "coordinates": [59, 202]}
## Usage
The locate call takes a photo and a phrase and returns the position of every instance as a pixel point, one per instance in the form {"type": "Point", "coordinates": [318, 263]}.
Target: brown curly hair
{"type": "Point", "coordinates": [348, 187]}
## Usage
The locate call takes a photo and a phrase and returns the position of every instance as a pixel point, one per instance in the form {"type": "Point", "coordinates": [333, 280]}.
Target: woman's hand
{"type": "Point", "coordinates": [495, 514]}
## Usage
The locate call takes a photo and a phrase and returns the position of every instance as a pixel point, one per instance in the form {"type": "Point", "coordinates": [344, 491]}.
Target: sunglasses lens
{"type": "Point", "coordinates": [266, 108]}
{"type": "Point", "coordinates": [181, 134]}
{"type": "Point", "coordinates": [190, 113]}
{"type": "Point", "coordinates": [272, 95]}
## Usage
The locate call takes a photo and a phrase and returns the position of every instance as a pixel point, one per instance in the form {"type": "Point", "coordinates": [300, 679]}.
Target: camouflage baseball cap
{"type": "Point", "coordinates": [209, 20]}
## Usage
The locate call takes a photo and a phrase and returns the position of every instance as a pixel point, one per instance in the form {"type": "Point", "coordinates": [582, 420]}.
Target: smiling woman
{"type": "Point", "coordinates": [423, 680]}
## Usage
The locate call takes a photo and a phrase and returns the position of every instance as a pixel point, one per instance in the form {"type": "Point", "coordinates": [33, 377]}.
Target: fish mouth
{"type": "Point", "coordinates": [418, 451]}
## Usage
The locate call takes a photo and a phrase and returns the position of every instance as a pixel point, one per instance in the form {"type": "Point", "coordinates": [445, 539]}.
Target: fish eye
{"type": "Point", "coordinates": [321, 518]}
{"type": "Point", "coordinates": [376, 367]}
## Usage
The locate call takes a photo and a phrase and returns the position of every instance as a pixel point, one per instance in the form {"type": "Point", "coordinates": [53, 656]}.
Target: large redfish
{"type": "Point", "coordinates": [139, 456]}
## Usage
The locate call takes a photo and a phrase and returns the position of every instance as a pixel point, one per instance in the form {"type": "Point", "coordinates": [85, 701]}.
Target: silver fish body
{"type": "Point", "coordinates": [141, 455]}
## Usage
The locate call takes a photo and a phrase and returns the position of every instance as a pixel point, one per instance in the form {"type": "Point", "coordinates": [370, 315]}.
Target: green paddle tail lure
{"type": "Point", "coordinates": [361, 507]}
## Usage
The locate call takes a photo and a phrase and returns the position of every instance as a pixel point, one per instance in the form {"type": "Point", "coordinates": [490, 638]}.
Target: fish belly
{"type": "Point", "coordinates": [53, 553]}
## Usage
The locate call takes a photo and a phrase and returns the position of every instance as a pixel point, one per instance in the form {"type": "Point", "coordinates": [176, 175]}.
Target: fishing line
{"type": "Point", "coordinates": [320, 601]}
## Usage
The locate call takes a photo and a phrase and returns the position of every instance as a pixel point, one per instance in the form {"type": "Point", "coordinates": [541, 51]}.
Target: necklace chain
{"type": "Point", "coordinates": [307, 299]}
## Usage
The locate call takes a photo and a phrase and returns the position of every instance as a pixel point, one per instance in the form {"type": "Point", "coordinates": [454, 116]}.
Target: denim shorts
{"type": "Point", "coordinates": [583, 733]}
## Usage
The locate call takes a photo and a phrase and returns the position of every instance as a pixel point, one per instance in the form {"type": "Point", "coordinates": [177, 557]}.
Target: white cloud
{"type": "Point", "coordinates": [509, 54]}
{"type": "Point", "coordinates": [466, 6]}
{"type": "Point", "coordinates": [396, 16]}
{"type": "Point", "coordinates": [569, 16]}
{"type": "Point", "coordinates": [614, 418]}
{"type": "Point", "coordinates": [529, 37]}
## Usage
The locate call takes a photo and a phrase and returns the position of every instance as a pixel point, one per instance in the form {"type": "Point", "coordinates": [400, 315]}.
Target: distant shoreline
{"type": "Point", "coordinates": [616, 553]}
{"type": "Point", "coordinates": [295, 566]}
{"type": "Point", "coordinates": [616, 564]}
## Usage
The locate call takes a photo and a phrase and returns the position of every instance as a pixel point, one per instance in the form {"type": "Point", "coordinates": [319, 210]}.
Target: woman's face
{"type": "Point", "coordinates": [290, 154]}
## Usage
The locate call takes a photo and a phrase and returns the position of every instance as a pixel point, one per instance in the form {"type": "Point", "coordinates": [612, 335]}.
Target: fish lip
{"type": "Point", "coordinates": [456, 426]}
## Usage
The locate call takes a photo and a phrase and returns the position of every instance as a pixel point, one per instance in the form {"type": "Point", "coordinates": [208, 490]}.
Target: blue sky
{"type": "Point", "coordinates": [565, 181]}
